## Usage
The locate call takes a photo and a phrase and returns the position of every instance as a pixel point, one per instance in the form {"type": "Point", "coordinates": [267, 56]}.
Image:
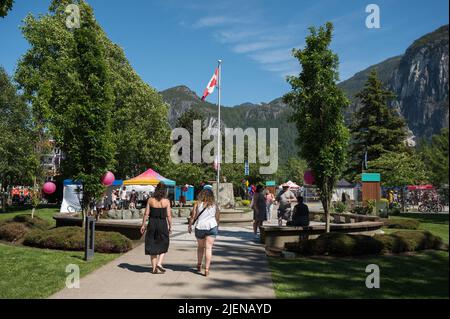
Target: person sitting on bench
{"type": "Point", "coordinates": [300, 215]}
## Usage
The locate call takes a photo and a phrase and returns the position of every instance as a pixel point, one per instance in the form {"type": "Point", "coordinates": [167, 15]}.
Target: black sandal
{"type": "Point", "coordinates": [161, 269]}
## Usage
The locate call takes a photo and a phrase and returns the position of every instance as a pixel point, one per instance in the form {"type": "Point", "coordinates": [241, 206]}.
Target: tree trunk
{"type": "Point", "coordinates": [403, 200]}
{"type": "Point", "coordinates": [326, 208]}
{"type": "Point", "coordinates": [325, 198]}
{"type": "Point", "coordinates": [32, 212]}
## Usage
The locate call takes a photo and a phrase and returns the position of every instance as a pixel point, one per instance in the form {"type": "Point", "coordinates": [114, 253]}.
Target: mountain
{"type": "Point", "coordinates": [264, 115]}
{"type": "Point", "coordinates": [419, 78]}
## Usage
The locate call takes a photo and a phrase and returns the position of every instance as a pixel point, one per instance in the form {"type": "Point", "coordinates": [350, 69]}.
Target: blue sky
{"type": "Point", "coordinates": [174, 42]}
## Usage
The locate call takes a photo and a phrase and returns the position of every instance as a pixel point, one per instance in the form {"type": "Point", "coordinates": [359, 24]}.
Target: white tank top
{"type": "Point", "coordinates": [207, 219]}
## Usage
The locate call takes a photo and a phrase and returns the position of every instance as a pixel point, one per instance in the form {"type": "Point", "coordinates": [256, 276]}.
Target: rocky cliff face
{"type": "Point", "coordinates": [419, 78]}
{"type": "Point", "coordinates": [421, 84]}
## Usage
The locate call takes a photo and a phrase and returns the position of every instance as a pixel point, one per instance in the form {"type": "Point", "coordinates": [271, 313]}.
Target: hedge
{"type": "Point", "coordinates": [33, 223]}
{"type": "Point", "coordinates": [11, 231]}
{"type": "Point", "coordinates": [402, 223]}
{"type": "Point", "coordinates": [341, 244]}
{"type": "Point", "coordinates": [72, 238]}
{"type": "Point", "coordinates": [16, 228]}
{"type": "Point", "coordinates": [407, 241]}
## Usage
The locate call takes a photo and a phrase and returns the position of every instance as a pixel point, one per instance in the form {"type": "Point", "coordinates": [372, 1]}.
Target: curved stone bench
{"type": "Point", "coordinates": [339, 218]}
{"type": "Point", "coordinates": [276, 236]}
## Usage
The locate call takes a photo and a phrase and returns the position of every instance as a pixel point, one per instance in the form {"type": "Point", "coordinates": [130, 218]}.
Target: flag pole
{"type": "Point", "coordinates": [219, 137]}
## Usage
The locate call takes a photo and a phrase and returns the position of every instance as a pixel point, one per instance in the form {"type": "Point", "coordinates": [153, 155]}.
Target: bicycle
{"type": "Point", "coordinates": [431, 207]}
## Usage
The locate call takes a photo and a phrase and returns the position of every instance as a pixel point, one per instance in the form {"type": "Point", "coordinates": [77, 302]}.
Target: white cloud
{"type": "Point", "coordinates": [272, 56]}
{"type": "Point", "coordinates": [210, 22]}
{"type": "Point", "coordinates": [250, 34]}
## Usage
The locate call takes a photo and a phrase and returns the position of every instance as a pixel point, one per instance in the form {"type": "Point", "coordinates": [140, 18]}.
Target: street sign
{"type": "Point", "coordinates": [246, 169]}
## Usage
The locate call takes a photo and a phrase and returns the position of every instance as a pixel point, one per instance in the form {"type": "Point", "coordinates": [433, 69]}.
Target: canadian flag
{"type": "Point", "coordinates": [211, 85]}
{"type": "Point", "coordinates": [216, 163]}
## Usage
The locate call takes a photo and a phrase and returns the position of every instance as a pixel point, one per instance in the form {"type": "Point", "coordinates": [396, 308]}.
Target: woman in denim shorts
{"type": "Point", "coordinates": [205, 215]}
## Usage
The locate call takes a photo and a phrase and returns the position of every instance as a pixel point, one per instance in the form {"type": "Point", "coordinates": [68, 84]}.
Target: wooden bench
{"type": "Point", "coordinates": [276, 236]}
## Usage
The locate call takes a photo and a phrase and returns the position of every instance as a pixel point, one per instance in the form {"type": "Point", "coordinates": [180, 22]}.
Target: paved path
{"type": "Point", "coordinates": [239, 270]}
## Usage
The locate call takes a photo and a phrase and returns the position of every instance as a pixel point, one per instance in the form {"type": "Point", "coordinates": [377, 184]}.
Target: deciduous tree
{"type": "Point", "coordinates": [318, 106]}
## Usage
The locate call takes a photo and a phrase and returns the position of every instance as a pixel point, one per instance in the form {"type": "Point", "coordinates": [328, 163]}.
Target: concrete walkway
{"type": "Point", "coordinates": [239, 270]}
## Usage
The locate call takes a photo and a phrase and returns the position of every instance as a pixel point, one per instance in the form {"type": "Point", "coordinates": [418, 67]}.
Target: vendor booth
{"type": "Point", "coordinates": [149, 177]}
{"type": "Point", "coordinates": [344, 188]}
{"type": "Point", "coordinates": [187, 191]}
{"type": "Point", "coordinates": [73, 194]}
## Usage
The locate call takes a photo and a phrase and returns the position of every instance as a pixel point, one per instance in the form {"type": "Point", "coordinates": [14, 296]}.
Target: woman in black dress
{"type": "Point", "coordinates": [158, 228]}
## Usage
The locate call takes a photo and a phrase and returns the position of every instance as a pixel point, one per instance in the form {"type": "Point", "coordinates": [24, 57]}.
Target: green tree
{"type": "Point", "coordinates": [399, 169]}
{"type": "Point", "coordinates": [140, 129]}
{"type": "Point", "coordinates": [17, 159]}
{"type": "Point", "coordinates": [435, 156]}
{"type": "Point", "coordinates": [140, 119]}
{"type": "Point", "coordinates": [65, 76]}
{"type": "Point", "coordinates": [5, 6]}
{"type": "Point", "coordinates": [293, 170]}
{"type": "Point", "coordinates": [318, 106]}
{"type": "Point", "coordinates": [376, 128]}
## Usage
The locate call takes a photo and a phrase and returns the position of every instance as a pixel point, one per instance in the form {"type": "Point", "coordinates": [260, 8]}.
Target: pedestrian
{"type": "Point", "coordinates": [158, 228]}
{"type": "Point", "coordinates": [114, 199]}
{"type": "Point", "coordinates": [259, 207]}
{"type": "Point", "coordinates": [284, 199]}
{"type": "Point", "coordinates": [300, 216]}
{"type": "Point", "coordinates": [270, 199]}
{"type": "Point", "coordinates": [123, 198]}
{"type": "Point", "coordinates": [133, 199]}
{"type": "Point", "coordinates": [205, 217]}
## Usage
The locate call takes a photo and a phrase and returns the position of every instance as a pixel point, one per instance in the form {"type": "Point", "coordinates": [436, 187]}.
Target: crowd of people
{"type": "Point", "coordinates": [263, 202]}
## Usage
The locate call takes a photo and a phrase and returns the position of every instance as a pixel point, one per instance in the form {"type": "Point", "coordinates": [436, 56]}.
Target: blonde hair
{"type": "Point", "coordinates": [206, 196]}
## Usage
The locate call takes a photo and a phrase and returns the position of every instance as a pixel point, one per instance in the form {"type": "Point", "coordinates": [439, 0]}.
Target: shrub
{"type": "Point", "coordinates": [33, 223]}
{"type": "Point", "coordinates": [11, 231]}
{"type": "Point", "coordinates": [405, 241]}
{"type": "Point", "coordinates": [362, 210]}
{"type": "Point", "coordinates": [245, 202]}
{"type": "Point", "coordinates": [72, 238]}
{"type": "Point", "coordinates": [370, 206]}
{"type": "Point", "coordinates": [341, 244]}
{"type": "Point", "coordinates": [340, 207]}
{"type": "Point", "coordinates": [402, 223]}
{"type": "Point", "coordinates": [337, 244]}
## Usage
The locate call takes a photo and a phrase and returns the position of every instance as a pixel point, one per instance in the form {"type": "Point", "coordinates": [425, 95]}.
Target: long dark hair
{"type": "Point", "coordinates": [160, 191]}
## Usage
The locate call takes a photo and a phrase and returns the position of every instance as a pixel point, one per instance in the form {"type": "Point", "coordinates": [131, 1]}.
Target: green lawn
{"type": "Point", "coordinates": [422, 275]}
{"type": "Point", "coordinates": [437, 224]}
{"type": "Point", "coordinates": [44, 213]}
{"type": "Point", "coordinates": [38, 273]}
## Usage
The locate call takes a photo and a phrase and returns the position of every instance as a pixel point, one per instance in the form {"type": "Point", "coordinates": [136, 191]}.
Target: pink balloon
{"type": "Point", "coordinates": [49, 188]}
{"type": "Point", "coordinates": [308, 177]}
{"type": "Point", "coordinates": [108, 178]}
